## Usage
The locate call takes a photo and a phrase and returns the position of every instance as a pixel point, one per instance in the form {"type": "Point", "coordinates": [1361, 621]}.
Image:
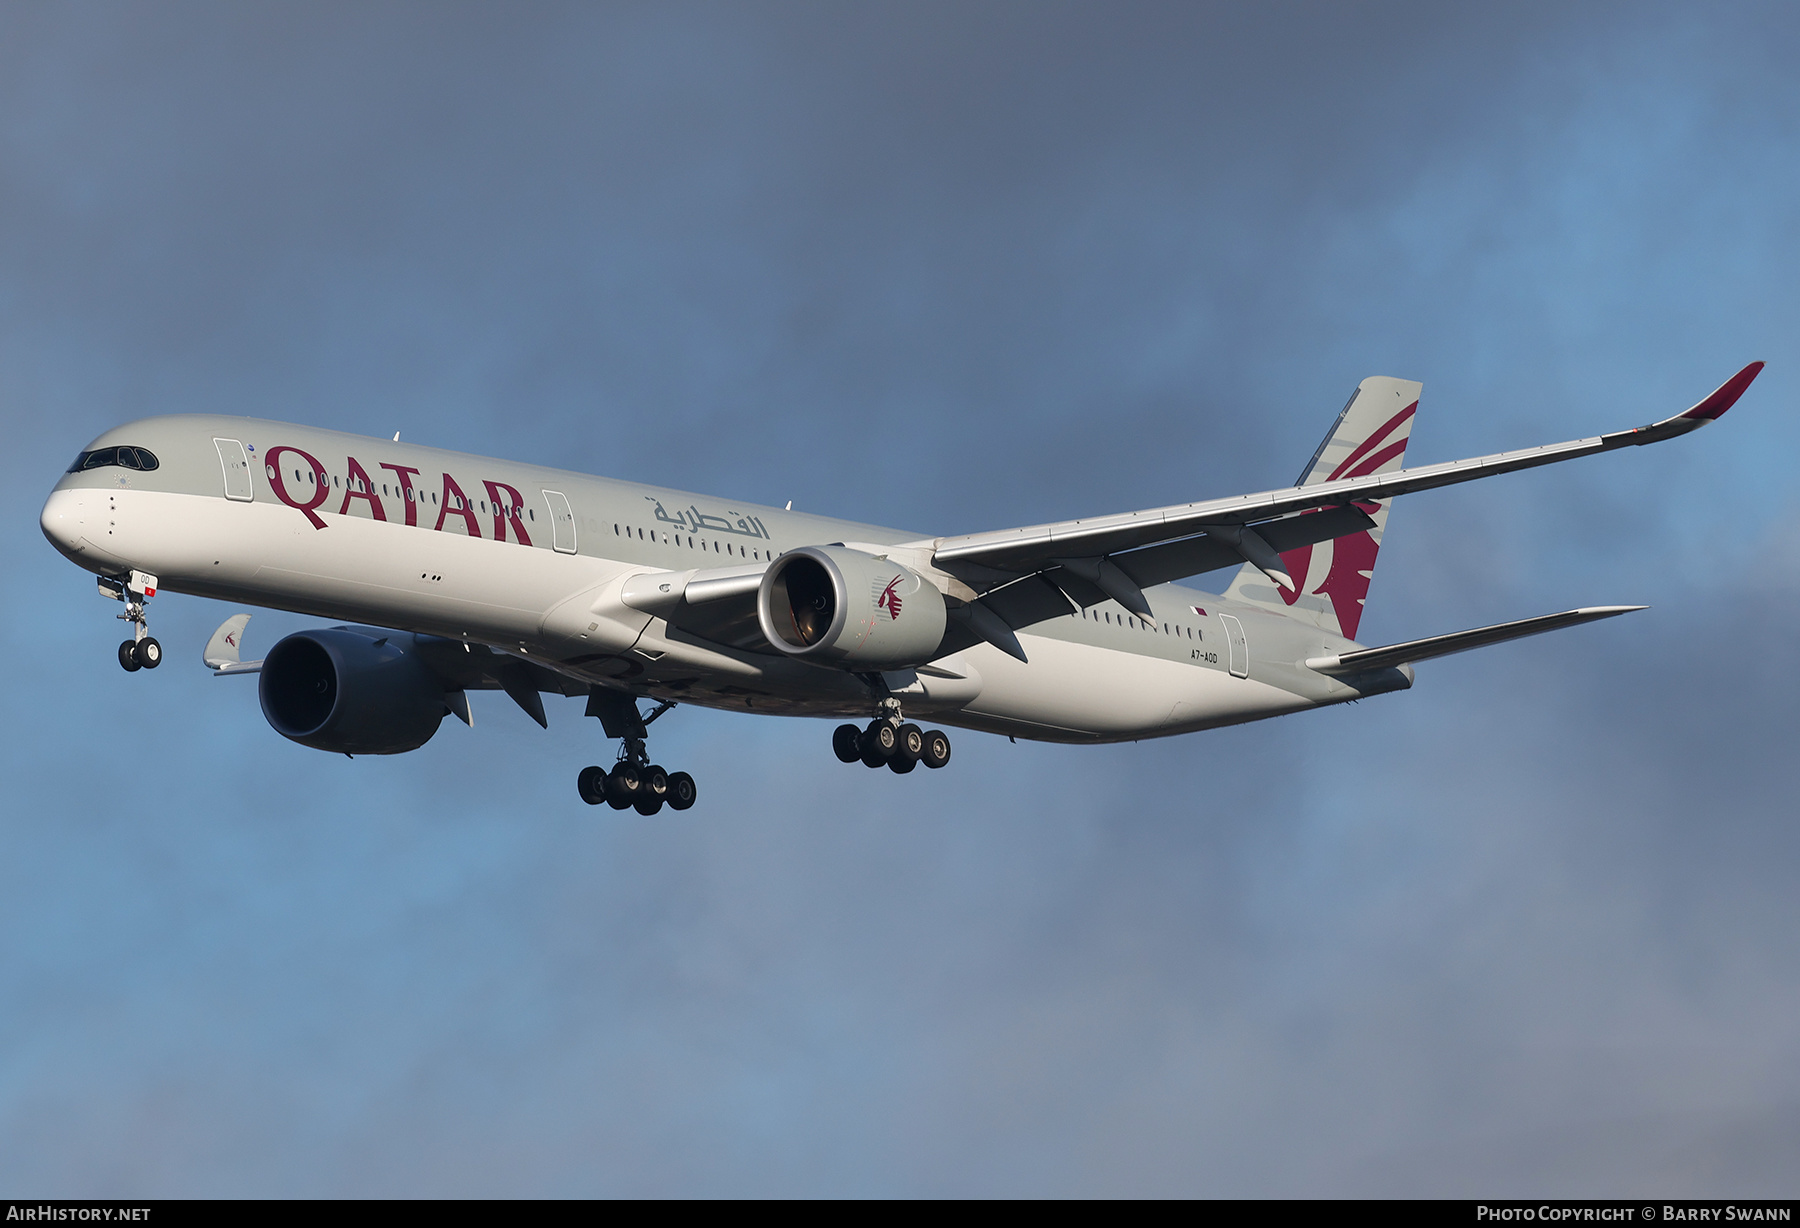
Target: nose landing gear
{"type": "Point", "coordinates": [634, 783]}
{"type": "Point", "coordinates": [141, 651]}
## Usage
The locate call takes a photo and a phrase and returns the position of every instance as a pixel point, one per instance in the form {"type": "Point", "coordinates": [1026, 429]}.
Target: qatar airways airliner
{"type": "Point", "coordinates": [454, 572]}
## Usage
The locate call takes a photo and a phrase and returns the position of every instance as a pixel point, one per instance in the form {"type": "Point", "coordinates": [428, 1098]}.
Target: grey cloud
{"type": "Point", "coordinates": [1526, 929]}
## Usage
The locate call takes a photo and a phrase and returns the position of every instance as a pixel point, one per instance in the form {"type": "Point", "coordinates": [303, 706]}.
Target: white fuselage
{"type": "Point", "coordinates": [532, 561]}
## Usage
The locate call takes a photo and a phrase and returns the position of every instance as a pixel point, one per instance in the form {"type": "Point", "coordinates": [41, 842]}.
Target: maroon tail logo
{"type": "Point", "coordinates": [1346, 583]}
{"type": "Point", "coordinates": [890, 599]}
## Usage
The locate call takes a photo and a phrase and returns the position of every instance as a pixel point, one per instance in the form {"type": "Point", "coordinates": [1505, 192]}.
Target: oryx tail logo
{"type": "Point", "coordinates": [890, 598]}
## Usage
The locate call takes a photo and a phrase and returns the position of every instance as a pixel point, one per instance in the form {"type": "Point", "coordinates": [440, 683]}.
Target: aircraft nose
{"type": "Point", "coordinates": [61, 521]}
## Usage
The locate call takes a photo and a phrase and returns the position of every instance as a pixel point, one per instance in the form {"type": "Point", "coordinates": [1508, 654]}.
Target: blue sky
{"type": "Point", "coordinates": [1528, 929]}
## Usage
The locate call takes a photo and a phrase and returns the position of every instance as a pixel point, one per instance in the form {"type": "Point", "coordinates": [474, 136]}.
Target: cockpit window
{"type": "Point", "coordinates": [125, 456]}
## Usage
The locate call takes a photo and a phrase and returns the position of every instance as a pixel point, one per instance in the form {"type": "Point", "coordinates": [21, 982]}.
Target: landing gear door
{"type": "Point", "coordinates": [237, 470]}
{"type": "Point", "coordinates": [1240, 647]}
{"type": "Point", "coordinates": [562, 522]}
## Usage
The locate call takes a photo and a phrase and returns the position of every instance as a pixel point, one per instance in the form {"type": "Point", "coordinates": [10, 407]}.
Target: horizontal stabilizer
{"type": "Point", "coordinates": [1364, 659]}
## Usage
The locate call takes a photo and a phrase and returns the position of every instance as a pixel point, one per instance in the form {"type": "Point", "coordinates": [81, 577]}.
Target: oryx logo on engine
{"type": "Point", "coordinates": [889, 599]}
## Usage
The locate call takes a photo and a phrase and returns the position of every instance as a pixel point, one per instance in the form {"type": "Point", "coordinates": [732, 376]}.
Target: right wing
{"type": "Point", "coordinates": [1034, 573]}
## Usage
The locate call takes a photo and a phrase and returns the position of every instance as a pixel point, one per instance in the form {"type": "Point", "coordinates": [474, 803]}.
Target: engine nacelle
{"type": "Point", "coordinates": [835, 606]}
{"type": "Point", "coordinates": [351, 690]}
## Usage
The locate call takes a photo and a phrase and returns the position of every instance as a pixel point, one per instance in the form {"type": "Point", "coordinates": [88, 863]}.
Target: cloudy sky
{"type": "Point", "coordinates": [1528, 929]}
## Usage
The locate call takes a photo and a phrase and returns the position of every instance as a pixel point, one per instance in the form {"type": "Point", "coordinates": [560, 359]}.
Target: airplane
{"type": "Point", "coordinates": [448, 581]}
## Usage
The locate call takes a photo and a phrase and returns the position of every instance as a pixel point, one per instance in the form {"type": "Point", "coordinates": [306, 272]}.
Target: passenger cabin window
{"type": "Point", "coordinates": [124, 456]}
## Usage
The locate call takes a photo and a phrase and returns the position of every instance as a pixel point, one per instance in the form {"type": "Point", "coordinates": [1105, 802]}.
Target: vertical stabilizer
{"type": "Point", "coordinates": [1369, 437]}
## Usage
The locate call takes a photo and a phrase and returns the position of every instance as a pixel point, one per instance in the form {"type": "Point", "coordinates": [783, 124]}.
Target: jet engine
{"type": "Point", "coordinates": [351, 690]}
{"type": "Point", "coordinates": [850, 609]}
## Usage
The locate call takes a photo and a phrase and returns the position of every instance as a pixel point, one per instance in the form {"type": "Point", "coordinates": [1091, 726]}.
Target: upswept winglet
{"type": "Point", "coordinates": [1713, 407]}
{"type": "Point", "coordinates": [222, 650]}
{"type": "Point", "coordinates": [1726, 395]}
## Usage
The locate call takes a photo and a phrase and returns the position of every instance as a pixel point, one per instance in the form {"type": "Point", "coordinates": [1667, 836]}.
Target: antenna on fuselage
{"type": "Point", "coordinates": [396, 436]}
{"type": "Point", "coordinates": [790, 506]}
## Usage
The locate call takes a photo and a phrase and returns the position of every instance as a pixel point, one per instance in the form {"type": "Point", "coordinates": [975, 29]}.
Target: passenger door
{"type": "Point", "coordinates": [562, 522]}
{"type": "Point", "coordinates": [1240, 647]}
{"type": "Point", "coordinates": [237, 470]}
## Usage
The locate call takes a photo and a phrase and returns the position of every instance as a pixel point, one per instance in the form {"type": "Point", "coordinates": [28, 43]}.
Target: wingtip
{"type": "Point", "coordinates": [1726, 396]}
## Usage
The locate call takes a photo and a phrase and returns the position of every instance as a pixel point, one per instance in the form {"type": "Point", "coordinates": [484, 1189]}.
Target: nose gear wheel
{"type": "Point", "coordinates": [141, 651]}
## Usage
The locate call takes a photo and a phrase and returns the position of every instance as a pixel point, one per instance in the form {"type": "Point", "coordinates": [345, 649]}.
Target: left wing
{"type": "Point", "coordinates": [460, 666]}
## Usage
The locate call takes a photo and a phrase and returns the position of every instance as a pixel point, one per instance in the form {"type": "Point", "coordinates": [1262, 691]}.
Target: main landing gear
{"type": "Point", "coordinates": [891, 741]}
{"type": "Point", "coordinates": [141, 651]}
{"type": "Point", "coordinates": [634, 783]}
